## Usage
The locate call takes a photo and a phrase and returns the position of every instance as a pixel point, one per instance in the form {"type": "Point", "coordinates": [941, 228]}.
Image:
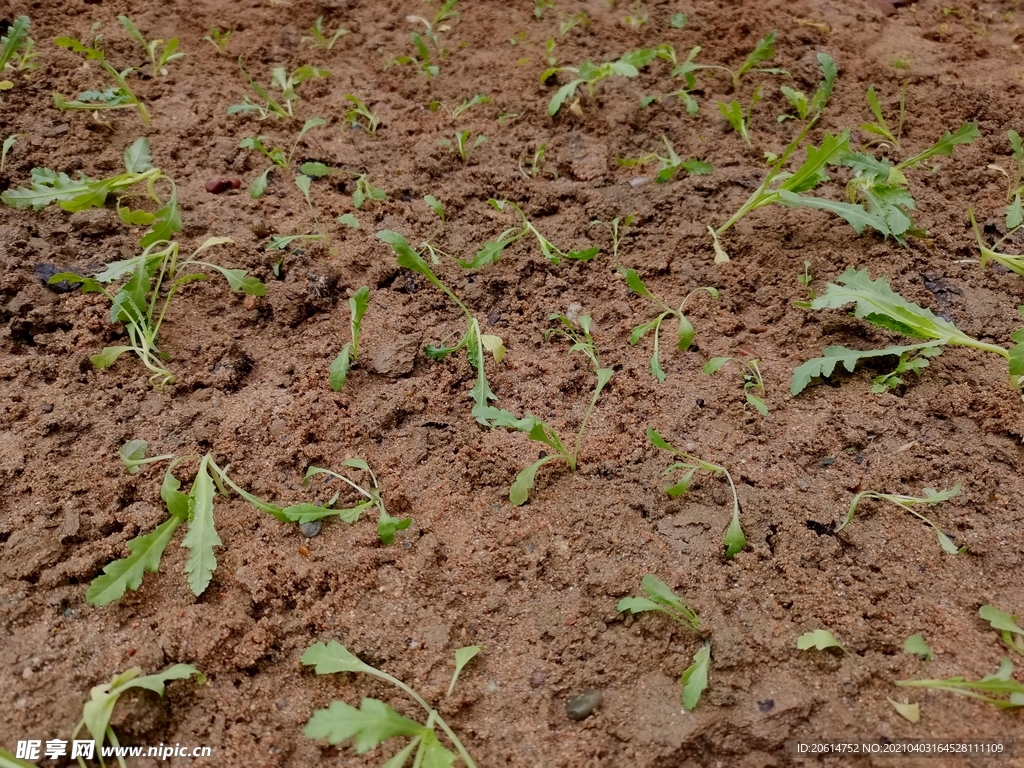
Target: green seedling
{"type": "Point", "coordinates": [537, 165]}
{"type": "Point", "coordinates": [566, 23]}
{"type": "Point", "coordinates": [119, 97]}
{"type": "Point", "coordinates": [16, 51]}
{"type": "Point", "coordinates": [617, 227]}
{"type": "Point", "coordinates": [151, 281]}
{"type": "Point", "coordinates": [319, 36]}
{"type": "Point", "coordinates": [387, 525]}
{"type": "Point", "coordinates": [474, 341]}
{"type": "Point", "coordinates": [549, 52]}
{"type": "Point", "coordinates": [103, 698]}
{"type": "Point", "coordinates": [909, 712]}
{"type": "Point", "coordinates": [678, 20]}
{"type": "Point", "coordinates": [267, 105]}
{"type": "Point", "coordinates": [668, 164]}
{"type": "Point", "coordinates": [799, 101]}
{"type": "Point", "coordinates": [461, 146]}
{"type": "Point", "coordinates": [195, 509]}
{"type": "Point", "coordinates": [349, 220]}
{"type": "Point", "coordinates": [1006, 625]}
{"type": "Point", "coordinates": [998, 689]}
{"type": "Point", "coordinates": [218, 38]}
{"type": "Point", "coordinates": [49, 187]}
{"type": "Point", "coordinates": [627, 65]}
{"type": "Point", "coordinates": [539, 6]}
{"type": "Point", "coordinates": [819, 639]}
{"type": "Point", "coordinates": [492, 250]}
{"type": "Point", "coordinates": [360, 115]}
{"type": "Point", "coordinates": [341, 365]}
{"type": "Point", "coordinates": [685, 331]}
{"type": "Point", "coordinates": [436, 206]}
{"type": "Point", "coordinates": [1012, 261]}
{"type": "Point", "coordinates": [880, 127]}
{"type": "Point", "coordinates": [277, 155]}
{"type": "Point", "coordinates": [916, 645]}
{"type": "Point", "coordinates": [877, 303]}
{"type": "Point", "coordinates": [159, 54]}
{"type": "Point", "coordinates": [1014, 211]}
{"type": "Point", "coordinates": [8, 143]}
{"type": "Point", "coordinates": [734, 539]}
{"type": "Point", "coordinates": [454, 112]}
{"type": "Point", "coordinates": [637, 18]}
{"type": "Point", "coordinates": [688, 72]}
{"type": "Point", "coordinates": [695, 677]}
{"type": "Point", "coordinates": [752, 379]}
{"type": "Point", "coordinates": [661, 598]}
{"type": "Point", "coordinates": [763, 51]}
{"type": "Point", "coordinates": [374, 722]}
{"type": "Point", "coordinates": [931, 496]}
{"type": "Point", "coordinates": [365, 191]}
{"type": "Point", "coordinates": [540, 431]}
{"type": "Point", "coordinates": [805, 279]}
{"type": "Point", "coordinates": [738, 118]}
{"type": "Point", "coordinates": [421, 61]}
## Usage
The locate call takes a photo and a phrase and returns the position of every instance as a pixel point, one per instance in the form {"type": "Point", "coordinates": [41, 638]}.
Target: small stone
{"type": "Point", "coordinates": [47, 408]}
{"type": "Point", "coordinates": [281, 703]}
{"type": "Point", "coordinates": [309, 530]}
{"type": "Point", "coordinates": [537, 678]}
{"type": "Point", "coordinates": [259, 227]}
{"type": "Point", "coordinates": [639, 181]}
{"type": "Point", "coordinates": [766, 706]}
{"type": "Point", "coordinates": [217, 184]}
{"type": "Point", "coordinates": [581, 706]}
{"type": "Point", "coordinates": [26, 673]}
{"type": "Point", "coordinates": [492, 687]}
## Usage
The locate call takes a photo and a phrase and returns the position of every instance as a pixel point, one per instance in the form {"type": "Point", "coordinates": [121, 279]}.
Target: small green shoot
{"type": "Point", "coordinates": [349, 220]}
{"type": "Point", "coordinates": [474, 341]}
{"type": "Point", "coordinates": [462, 657]}
{"type": "Point", "coordinates": [267, 105]}
{"type": "Point", "coordinates": [365, 191]}
{"type": "Point", "coordinates": [805, 279]}
{"type": "Point", "coordinates": [998, 689]}
{"type": "Point", "coordinates": [752, 379]}
{"type": "Point", "coordinates": [627, 65]}
{"type": "Point", "coordinates": [763, 51]}
{"type": "Point", "coordinates": [539, 6]}
{"type": "Point", "coordinates": [617, 227]}
{"type": "Point", "coordinates": [360, 115]}
{"type": "Point", "coordinates": [685, 332]}
{"type": "Point", "coordinates": [218, 38]}
{"type": "Point", "coordinates": [8, 143]}
{"type": "Point", "coordinates": [909, 712]}
{"type": "Point", "coordinates": [341, 365]}
{"type": "Point", "coordinates": [669, 164]}
{"type": "Point", "coordinates": [103, 698]}
{"type": "Point", "coordinates": [492, 250]}
{"type": "Point", "coordinates": [637, 18]}
{"type": "Point", "coordinates": [738, 118]}
{"type": "Point", "coordinates": [1006, 625]}
{"type": "Point", "coordinates": [159, 54]}
{"type": "Point", "coordinates": [540, 431]}
{"type": "Point", "coordinates": [931, 496]}
{"type": "Point", "coordinates": [454, 112]}
{"type": "Point", "coordinates": [537, 165]}
{"type": "Point", "coordinates": [143, 299]}
{"type": "Point", "coordinates": [734, 539]}
{"type": "Point", "coordinates": [16, 51]}
{"type": "Point", "coordinates": [877, 303]}
{"type": "Point", "coordinates": [277, 155]}
{"type": "Point", "coordinates": [387, 525]}
{"type": "Point", "coordinates": [695, 677]}
{"type": "Point", "coordinates": [678, 20]}
{"type": "Point", "coordinates": [661, 598]}
{"type": "Point", "coordinates": [435, 205]}
{"type": "Point", "coordinates": [799, 101]}
{"type": "Point", "coordinates": [916, 645]}
{"type": "Point", "coordinates": [321, 38]}
{"type": "Point", "coordinates": [566, 23]}
{"type": "Point", "coordinates": [375, 722]}
{"type": "Point", "coordinates": [819, 639]}
{"type": "Point", "coordinates": [880, 127]}
{"type": "Point", "coordinates": [461, 146]}
{"type": "Point", "coordinates": [422, 61]}
{"type": "Point", "coordinates": [119, 97]}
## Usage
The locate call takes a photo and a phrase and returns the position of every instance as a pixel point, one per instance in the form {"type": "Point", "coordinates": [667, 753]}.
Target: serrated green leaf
{"type": "Point", "coordinates": [108, 356]}
{"type": "Point", "coordinates": [339, 368]}
{"type": "Point", "coordinates": [127, 573]}
{"type": "Point", "coordinates": [137, 157]}
{"type": "Point", "coordinates": [202, 536]}
{"type": "Point", "coordinates": [259, 184]}
{"type": "Point", "coordinates": [965, 134]}
{"type": "Point", "coordinates": [567, 91]}
{"type": "Point", "coordinates": [715, 364]}
{"type": "Point", "coordinates": [855, 216]}
{"type": "Point", "coordinates": [824, 366]}
{"type": "Point", "coordinates": [915, 644]}
{"type": "Point", "coordinates": [368, 726]}
{"type": "Point", "coordinates": [820, 639]}
{"type": "Point", "coordinates": [695, 677]}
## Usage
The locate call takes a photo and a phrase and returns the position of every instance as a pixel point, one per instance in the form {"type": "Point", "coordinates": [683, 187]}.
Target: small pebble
{"type": "Point", "coordinates": [537, 678]}
{"type": "Point", "coordinates": [218, 184]}
{"type": "Point", "coordinates": [309, 530]}
{"type": "Point", "coordinates": [47, 408]}
{"type": "Point", "coordinates": [280, 703]}
{"type": "Point", "coordinates": [700, 402]}
{"type": "Point", "coordinates": [767, 705]}
{"type": "Point", "coordinates": [581, 706]}
{"type": "Point", "coordinates": [691, 447]}
{"type": "Point", "coordinates": [639, 181]}
{"type": "Point", "coordinates": [492, 687]}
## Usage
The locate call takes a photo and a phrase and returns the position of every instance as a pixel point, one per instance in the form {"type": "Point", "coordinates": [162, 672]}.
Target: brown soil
{"type": "Point", "coordinates": [537, 585]}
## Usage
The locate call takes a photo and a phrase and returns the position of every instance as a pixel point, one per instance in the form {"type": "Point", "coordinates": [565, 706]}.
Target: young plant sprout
{"type": "Point", "coordinates": [158, 53]}
{"type": "Point", "coordinates": [880, 127]}
{"type": "Point", "coordinates": [374, 722]}
{"type": "Point", "coordinates": [461, 146]}
{"type": "Point", "coordinates": [998, 689]}
{"type": "Point", "coordinates": [877, 303]}
{"type": "Point", "coordinates": [738, 118]}
{"type": "Point", "coordinates": [8, 143]}
{"type": "Point", "coordinates": [473, 339]}
{"type": "Point", "coordinates": [1014, 213]}
{"type": "Point", "coordinates": [218, 38]}
{"type": "Point", "coordinates": [661, 598]}
{"type": "Point", "coordinates": [492, 250]}
{"type": "Point", "coordinates": [931, 496]}
{"type": "Point", "coordinates": [103, 698]}
{"type": "Point", "coordinates": [319, 36]}
{"type": "Point", "coordinates": [195, 509]}
{"type": "Point", "coordinates": [16, 51]}
{"type": "Point", "coordinates": [536, 165]}
{"type": "Point", "coordinates": [121, 96]}
{"type": "Point", "coordinates": [819, 639]}
{"type": "Point", "coordinates": [685, 331]}
{"type": "Point", "coordinates": [454, 112]}
{"type": "Point", "coordinates": [1006, 625]}
{"type": "Point", "coordinates": [341, 365]}
{"type": "Point", "coordinates": [277, 155]}
{"type": "Point", "coordinates": [360, 115]}
{"type": "Point", "coordinates": [267, 105]}
{"type": "Point", "coordinates": [805, 279]}
{"type": "Point", "coordinates": [617, 227]}
{"type": "Point", "coordinates": [627, 65]}
{"type": "Point", "coordinates": [734, 538]}
{"type": "Point", "coordinates": [669, 164]}
{"type": "Point", "coordinates": [538, 430]}
{"type": "Point", "coordinates": [752, 379]}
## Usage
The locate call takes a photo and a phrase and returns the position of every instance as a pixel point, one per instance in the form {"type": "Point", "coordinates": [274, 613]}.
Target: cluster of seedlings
{"type": "Point", "coordinates": [140, 292]}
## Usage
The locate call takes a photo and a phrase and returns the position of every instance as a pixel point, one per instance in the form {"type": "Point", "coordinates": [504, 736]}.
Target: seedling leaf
{"type": "Point", "coordinates": [820, 639]}
{"type": "Point", "coordinates": [1006, 625]}
{"type": "Point", "coordinates": [462, 657]}
{"type": "Point", "coordinates": [202, 536]}
{"type": "Point", "coordinates": [695, 677]}
{"type": "Point", "coordinates": [127, 573]}
{"type": "Point", "coordinates": [910, 712]}
{"type": "Point", "coordinates": [373, 723]}
{"type": "Point", "coordinates": [916, 645]}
